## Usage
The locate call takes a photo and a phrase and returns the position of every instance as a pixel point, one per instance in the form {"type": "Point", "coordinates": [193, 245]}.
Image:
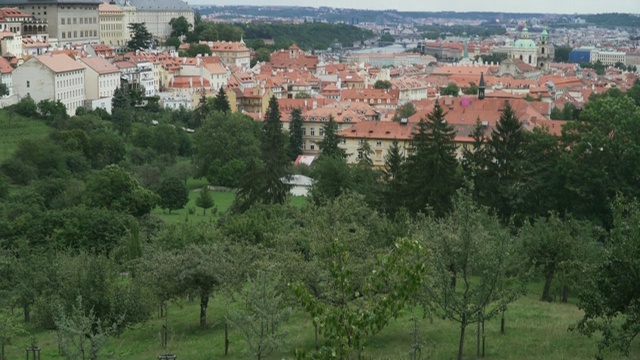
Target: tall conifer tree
{"type": "Point", "coordinates": [295, 134]}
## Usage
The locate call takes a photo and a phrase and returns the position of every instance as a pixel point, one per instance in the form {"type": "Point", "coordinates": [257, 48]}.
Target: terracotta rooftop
{"type": "Point", "coordinates": [59, 63]}
{"type": "Point", "coordinates": [100, 65]}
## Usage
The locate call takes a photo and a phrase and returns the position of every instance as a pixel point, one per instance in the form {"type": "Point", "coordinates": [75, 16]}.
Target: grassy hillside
{"type": "Point", "coordinates": [534, 330]}
{"type": "Point", "coordinates": [14, 128]}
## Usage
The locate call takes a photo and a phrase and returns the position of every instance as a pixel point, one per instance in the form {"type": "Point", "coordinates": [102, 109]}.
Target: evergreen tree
{"type": "Point", "coordinates": [203, 108]}
{"type": "Point", "coordinates": [364, 154]}
{"type": "Point", "coordinates": [329, 146]}
{"type": "Point", "coordinates": [121, 100]}
{"type": "Point", "coordinates": [221, 102]}
{"type": "Point", "coordinates": [205, 200]}
{"type": "Point", "coordinates": [393, 172]}
{"type": "Point", "coordinates": [295, 134]}
{"type": "Point", "coordinates": [505, 149]}
{"type": "Point", "coordinates": [432, 168]}
{"type": "Point", "coordinates": [140, 38]}
{"type": "Point", "coordinates": [264, 183]}
{"type": "Point", "coordinates": [475, 160]}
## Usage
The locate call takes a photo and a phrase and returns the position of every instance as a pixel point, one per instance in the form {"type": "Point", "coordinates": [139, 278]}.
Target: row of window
{"type": "Point", "coordinates": [104, 27]}
{"type": "Point", "coordinates": [85, 20]}
{"type": "Point", "coordinates": [82, 34]}
{"type": "Point", "coordinates": [64, 95]}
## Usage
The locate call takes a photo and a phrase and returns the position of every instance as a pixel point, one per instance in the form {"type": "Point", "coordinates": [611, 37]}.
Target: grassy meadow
{"type": "Point", "coordinates": [14, 128]}
{"type": "Point", "coordinates": [222, 199]}
{"type": "Point", "coordinates": [534, 330]}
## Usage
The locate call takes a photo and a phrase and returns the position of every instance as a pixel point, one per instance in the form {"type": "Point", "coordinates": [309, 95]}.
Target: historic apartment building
{"type": "Point", "coordinates": [69, 21]}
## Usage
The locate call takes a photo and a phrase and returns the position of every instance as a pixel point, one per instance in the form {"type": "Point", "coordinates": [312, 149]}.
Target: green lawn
{"type": "Point", "coordinates": [223, 200]}
{"type": "Point", "coordinates": [14, 128]}
{"type": "Point", "coordinates": [534, 330]}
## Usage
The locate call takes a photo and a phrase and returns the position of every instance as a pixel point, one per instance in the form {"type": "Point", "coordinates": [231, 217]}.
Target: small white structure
{"type": "Point", "coordinates": [300, 184]}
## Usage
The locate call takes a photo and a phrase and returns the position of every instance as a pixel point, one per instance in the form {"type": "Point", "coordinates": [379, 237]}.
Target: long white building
{"type": "Point", "coordinates": [51, 77]}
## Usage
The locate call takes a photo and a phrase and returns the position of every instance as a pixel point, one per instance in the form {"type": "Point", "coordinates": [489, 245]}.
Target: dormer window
{"type": "Point", "coordinates": [313, 118]}
{"type": "Point", "coordinates": [323, 119]}
{"type": "Point", "coordinates": [347, 119]}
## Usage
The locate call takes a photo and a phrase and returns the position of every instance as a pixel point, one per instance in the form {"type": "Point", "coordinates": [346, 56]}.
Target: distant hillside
{"type": "Point", "coordinates": [353, 16]}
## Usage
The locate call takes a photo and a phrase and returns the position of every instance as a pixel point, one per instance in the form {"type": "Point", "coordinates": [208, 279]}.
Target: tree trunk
{"type": "Point", "coordinates": [463, 326]}
{"type": "Point", "coordinates": [453, 275]}
{"type": "Point", "coordinates": [316, 336]}
{"type": "Point", "coordinates": [2, 352]}
{"type": "Point", "coordinates": [502, 322]}
{"type": "Point", "coordinates": [226, 337]}
{"type": "Point", "coordinates": [27, 313]}
{"type": "Point", "coordinates": [483, 337]}
{"type": "Point", "coordinates": [204, 302]}
{"type": "Point", "coordinates": [478, 341]}
{"type": "Point", "coordinates": [546, 291]}
{"type": "Point", "coordinates": [565, 294]}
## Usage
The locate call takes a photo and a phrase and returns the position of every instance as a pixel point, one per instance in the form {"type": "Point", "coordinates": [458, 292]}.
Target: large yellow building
{"type": "Point", "coordinates": [113, 29]}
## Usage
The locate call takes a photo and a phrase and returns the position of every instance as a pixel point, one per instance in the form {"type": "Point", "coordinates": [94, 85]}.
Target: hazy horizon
{"type": "Point", "coordinates": [507, 6]}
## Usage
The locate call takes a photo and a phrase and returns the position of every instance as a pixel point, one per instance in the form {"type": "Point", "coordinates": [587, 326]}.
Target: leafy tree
{"type": "Point", "coordinates": [296, 141]}
{"type": "Point", "coordinates": [82, 335]}
{"type": "Point", "coordinates": [470, 254]}
{"type": "Point", "coordinates": [113, 188]}
{"type": "Point", "coordinates": [198, 49]}
{"type": "Point", "coordinates": [205, 200]}
{"type": "Point", "coordinates": [405, 111]}
{"type": "Point", "coordinates": [360, 310]}
{"type": "Point", "coordinates": [303, 95]}
{"type": "Point", "coordinates": [261, 312]}
{"type": "Point", "coordinates": [51, 110]}
{"type": "Point", "coordinates": [221, 102]}
{"type": "Point", "coordinates": [471, 90]}
{"type": "Point", "coordinates": [262, 55]}
{"type": "Point", "coordinates": [432, 169]}
{"type": "Point", "coordinates": [26, 107]}
{"type": "Point", "coordinates": [332, 177]}
{"type": "Point", "coordinates": [451, 89]}
{"type": "Point", "coordinates": [179, 26]}
{"type": "Point", "coordinates": [9, 330]}
{"type": "Point", "coordinates": [140, 37]}
{"type": "Point", "coordinates": [264, 183]}
{"type": "Point", "coordinates": [555, 246]}
{"type": "Point", "coordinates": [173, 42]}
{"type": "Point", "coordinates": [609, 305]}
{"type": "Point", "coordinates": [222, 139]}
{"type": "Point", "coordinates": [382, 84]}
{"type": "Point", "coordinates": [173, 194]}
{"type": "Point", "coordinates": [106, 148]}
{"type": "Point", "coordinates": [329, 146]}
{"type": "Point", "coordinates": [600, 162]}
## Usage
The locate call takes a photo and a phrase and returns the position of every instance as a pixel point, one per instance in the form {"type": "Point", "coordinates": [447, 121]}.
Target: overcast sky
{"type": "Point", "coordinates": [538, 6]}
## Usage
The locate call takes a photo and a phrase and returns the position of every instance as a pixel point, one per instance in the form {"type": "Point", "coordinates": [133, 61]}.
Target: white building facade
{"type": "Point", "coordinates": [51, 77]}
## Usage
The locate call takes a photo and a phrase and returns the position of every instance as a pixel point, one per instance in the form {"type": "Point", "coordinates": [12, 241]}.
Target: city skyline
{"type": "Point", "coordinates": [509, 6]}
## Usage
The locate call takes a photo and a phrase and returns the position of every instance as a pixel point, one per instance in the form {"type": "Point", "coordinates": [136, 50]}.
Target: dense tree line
{"type": "Point", "coordinates": [82, 254]}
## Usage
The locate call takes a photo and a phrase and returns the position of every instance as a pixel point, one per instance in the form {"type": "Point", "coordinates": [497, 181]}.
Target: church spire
{"type": "Point", "coordinates": [481, 87]}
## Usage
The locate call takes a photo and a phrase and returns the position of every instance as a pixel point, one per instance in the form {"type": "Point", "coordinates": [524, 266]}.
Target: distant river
{"type": "Point", "coordinates": [395, 48]}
